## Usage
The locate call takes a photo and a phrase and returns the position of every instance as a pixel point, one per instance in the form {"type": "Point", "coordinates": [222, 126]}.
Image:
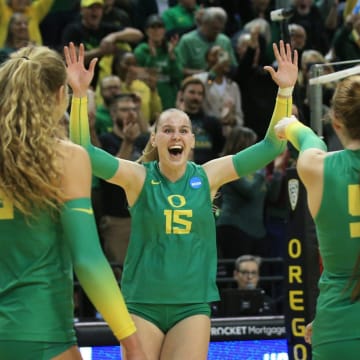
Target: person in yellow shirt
{"type": "Point", "coordinates": [34, 10]}
{"type": "Point", "coordinates": [137, 80]}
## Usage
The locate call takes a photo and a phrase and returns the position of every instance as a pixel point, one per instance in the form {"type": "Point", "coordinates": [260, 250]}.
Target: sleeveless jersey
{"type": "Point", "coordinates": [338, 231]}
{"type": "Point", "coordinates": [36, 279]}
{"type": "Point", "coordinates": [172, 257]}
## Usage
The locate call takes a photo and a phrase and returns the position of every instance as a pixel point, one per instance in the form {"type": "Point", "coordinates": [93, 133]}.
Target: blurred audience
{"type": "Point", "coordinates": [17, 35]}
{"type": "Point", "coordinates": [256, 86]}
{"type": "Point", "coordinates": [240, 225]}
{"type": "Point", "coordinates": [308, 15]}
{"type": "Point", "coordinates": [136, 80]}
{"type": "Point", "coordinates": [34, 10]}
{"type": "Point", "coordinates": [180, 18]}
{"type": "Point", "coordinates": [209, 139]}
{"type": "Point", "coordinates": [99, 38]}
{"type": "Point", "coordinates": [193, 45]}
{"type": "Point", "coordinates": [110, 87]}
{"type": "Point", "coordinates": [222, 95]}
{"type": "Point", "coordinates": [157, 55]}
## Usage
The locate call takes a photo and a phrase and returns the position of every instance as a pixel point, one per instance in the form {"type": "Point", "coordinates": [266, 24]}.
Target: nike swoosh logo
{"type": "Point", "coordinates": [86, 211]}
{"type": "Point", "coordinates": [154, 182]}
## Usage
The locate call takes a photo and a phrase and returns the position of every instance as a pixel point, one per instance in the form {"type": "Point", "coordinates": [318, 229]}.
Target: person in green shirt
{"type": "Point", "coordinates": [169, 277]}
{"type": "Point", "coordinates": [331, 180]}
{"type": "Point", "coordinates": [193, 45]}
{"type": "Point", "coordinates": [158, 55]}
{"type": "Point", "coordinates": [180, 18]}
{"type": "Point", "coordinates": [46, 220]}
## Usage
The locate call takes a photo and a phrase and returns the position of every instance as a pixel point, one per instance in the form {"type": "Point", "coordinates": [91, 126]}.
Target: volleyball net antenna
{"type": "Point", "coordinates": [317, 79]}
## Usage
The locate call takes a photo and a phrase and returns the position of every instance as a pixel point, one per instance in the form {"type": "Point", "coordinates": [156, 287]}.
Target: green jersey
{"type": "Point", "coordinates": [338, 231]}
{"type": "Point", "coordinates": [171, 257]}
{"type": "Point", "coordinates": [35, 279]}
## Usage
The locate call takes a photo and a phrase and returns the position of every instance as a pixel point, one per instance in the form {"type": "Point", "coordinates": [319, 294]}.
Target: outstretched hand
{"type": "Point", "coordinates": [79, 78]}
{"type": "Point", "coordinates": [287, 72]}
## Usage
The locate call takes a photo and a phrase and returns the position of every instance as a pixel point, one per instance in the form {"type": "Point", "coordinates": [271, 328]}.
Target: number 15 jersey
{"type": "Point", "coordinates": [171, 258]}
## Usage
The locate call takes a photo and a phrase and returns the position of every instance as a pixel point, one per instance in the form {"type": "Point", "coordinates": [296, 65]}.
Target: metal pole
{"type": "Point", "coordinates": [315, 101]}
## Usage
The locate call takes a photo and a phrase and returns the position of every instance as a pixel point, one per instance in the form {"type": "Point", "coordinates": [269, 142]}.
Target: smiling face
{"type": "Point", "coordinates": [173, 138]}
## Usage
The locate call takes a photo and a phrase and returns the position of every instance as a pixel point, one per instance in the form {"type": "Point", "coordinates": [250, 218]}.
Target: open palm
{"type": "Point", "coordinates": [287, 72]}
{"type": "Point", "coordinates": [79, 78]}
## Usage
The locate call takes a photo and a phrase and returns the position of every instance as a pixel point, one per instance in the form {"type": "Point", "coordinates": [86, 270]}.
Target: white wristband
{"type": "Point", "coordinates": [286, 92]}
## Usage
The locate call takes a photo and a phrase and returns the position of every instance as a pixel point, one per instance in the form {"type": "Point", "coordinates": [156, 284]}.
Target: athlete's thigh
{"type": "Point", "coordinates": [71, 354]}
{"type": "Point", "coordinates": [151, 338]}
{"type": "Point", "coordinates": [32, 350]}
{"type": "Point", "coordinates": [188, 339]}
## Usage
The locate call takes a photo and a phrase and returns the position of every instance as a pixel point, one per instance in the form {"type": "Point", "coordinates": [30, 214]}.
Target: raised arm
{"type": "Point", "coordinates": [103, 164]}
{"type": "Point", "coordinates": [255, 157]}
{"type": "Point", "coordinates": [130, 175]}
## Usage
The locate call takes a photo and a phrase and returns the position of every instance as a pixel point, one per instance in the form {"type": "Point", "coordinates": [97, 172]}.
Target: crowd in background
{"type": "Point", "coordinates": [205, 58]}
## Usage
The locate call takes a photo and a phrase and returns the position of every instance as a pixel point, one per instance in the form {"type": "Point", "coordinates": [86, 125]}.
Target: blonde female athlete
{"type": "Point", "coordinates": [332, 182]}
{"type": "Point", "coordinates": [46, 222]}
{"type": "Point", "coordinates": [169, 276]}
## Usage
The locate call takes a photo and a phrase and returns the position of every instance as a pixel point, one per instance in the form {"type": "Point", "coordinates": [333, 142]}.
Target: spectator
{"type": "Point", "coordinates": [180, 19]}
{"type": "Point", "coordinates": [222, 95]}
{"type": "Point", "coordinates": [34, 10]}
{"type": "Point", "coordinates": [209, 139]}
{"type": "Point", "coordinates": [193, 46]}
{"type": "Point", "coordinates": [247, 277]}
{"type": "Point", "coordinates": [240, 226]}
{"type": "Point", "coordinates": [346, 42]}
{"type": "Point", "coordinates": [302, 90]}
{"type": "Point", "coordinates": [308, 15]}
{"type": "Point", "coordinates": [110, 87]}
{"type": "Point", "coordinates": [100, 39]}
{"type": "Point", "coordinates": [254, 83]}
{"type": "Point", "coordinates": [17, 35]}
{"type": "Point", "coordinates": [297, 35]}
{"type": "Point", "coordinates": [158, 55]}
{"type": "Point", "coordinates": [136, 80]}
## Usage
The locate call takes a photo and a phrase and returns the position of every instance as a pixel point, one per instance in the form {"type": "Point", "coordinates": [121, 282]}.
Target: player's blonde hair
{"type": "Point", "coordinates": [30, 161]}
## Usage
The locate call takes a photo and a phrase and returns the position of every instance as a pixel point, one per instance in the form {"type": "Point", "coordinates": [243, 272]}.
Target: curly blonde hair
{"type": "Point", "coordinates": [30, 158]}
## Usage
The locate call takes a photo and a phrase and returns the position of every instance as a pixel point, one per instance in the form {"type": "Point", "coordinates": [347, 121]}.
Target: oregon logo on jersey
{"type": "Point", "coordinates": [177, 221]}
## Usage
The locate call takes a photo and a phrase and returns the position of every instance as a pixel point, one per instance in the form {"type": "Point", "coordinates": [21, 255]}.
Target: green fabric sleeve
{"type": "Point", "coordinates": [103, 164]}
{"type": "Point", "coordinates": [303, 138]}
{"type": "Point", "coordinates": [260, 154]}
{"type": "Point", "coordinates": [91, 267]}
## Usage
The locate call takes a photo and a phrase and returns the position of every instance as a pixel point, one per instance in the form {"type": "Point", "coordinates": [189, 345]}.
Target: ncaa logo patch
{"type": "Point", "coordinates": [195, 182]}
{"type": "Point", "coordinates": [293, 191]}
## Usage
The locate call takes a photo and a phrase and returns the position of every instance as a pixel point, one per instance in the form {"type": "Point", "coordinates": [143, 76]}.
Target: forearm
{"type": "Point", "coordinates": [259, 155]}
{"type": "Point", "coordinates": [130, 35]}
{"type": "Point", "coordinates": [92, 269]}
{"type": "Point", "coordinates": [103, 164]}
{"type": "Point", "coordinates": [302, 137]}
